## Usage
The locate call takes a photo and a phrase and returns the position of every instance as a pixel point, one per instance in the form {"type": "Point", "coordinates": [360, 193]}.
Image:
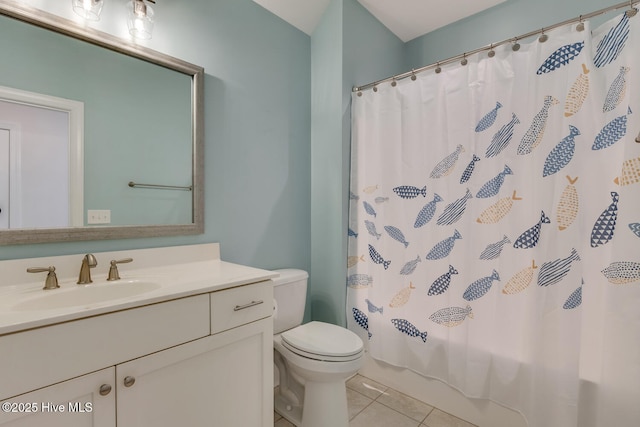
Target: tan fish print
{"type": "Point", "coordinates": [370, 189]}
{"type": "Point", "coordinates": [520, 280]}
{"type": "Point", "coordinates": [577, 93]}
{"type": "Point", "coordinates": [402, 297]}
{"type": "Point", "coordinates": [353, 260]}
{"type": "Point", "coordinates": [630, 172]}
{"type": "Point", "coordinates": [568, 205]}
{"type": "Point", "coordinates": [498, 210]}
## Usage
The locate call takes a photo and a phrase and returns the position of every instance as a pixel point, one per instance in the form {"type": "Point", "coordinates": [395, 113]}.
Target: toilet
{"type": "Point", "coordinates": [313, 360]}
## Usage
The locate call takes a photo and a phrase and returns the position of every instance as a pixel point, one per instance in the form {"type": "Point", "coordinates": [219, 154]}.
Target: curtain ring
{"type": "Point", "coordinates": [413, 75]}
{"type": "Point", "coordinates": [375, 88]}
{"type": "Point", "coordinates": [631, 12]}
{"type": "Point", "coordinates": [438, 69]}
{"type": "Point", "coordinates": [464, 59]}
{"type": "Point", "coordinates": [516, 45]}
{"type": "Point", "coordinates": [393, 82]}
{"type": "Point", "coordinates": [543, 37]}
{"type": "Point", "coordinates": [580, 26]}
{"type": "Point", "coordinates": [492, 52]}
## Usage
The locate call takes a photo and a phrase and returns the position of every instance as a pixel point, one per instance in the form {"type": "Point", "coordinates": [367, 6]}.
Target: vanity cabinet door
{"type": "Point", "coordinates": [221, 380]}
{"type": "Point", "coordinates": [85, 401]}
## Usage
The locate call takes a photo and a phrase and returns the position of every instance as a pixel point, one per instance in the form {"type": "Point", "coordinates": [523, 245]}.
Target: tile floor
{"type": "Point", "coordinates": [372, 404]}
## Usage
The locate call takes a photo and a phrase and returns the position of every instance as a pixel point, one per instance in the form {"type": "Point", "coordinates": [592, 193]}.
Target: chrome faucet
{"type": "Point", "coordinates": [88, 262]}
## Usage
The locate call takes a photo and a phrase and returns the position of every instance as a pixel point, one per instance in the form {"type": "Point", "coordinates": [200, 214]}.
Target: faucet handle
{"type": "Point", "coordinates": [51, 282]}
{"type": "Point", "coordinates": [113, 270]}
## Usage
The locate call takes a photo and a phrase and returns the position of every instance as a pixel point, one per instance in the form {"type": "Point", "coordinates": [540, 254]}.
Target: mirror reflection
{"type": "Point", "coordinates": [135, 121]}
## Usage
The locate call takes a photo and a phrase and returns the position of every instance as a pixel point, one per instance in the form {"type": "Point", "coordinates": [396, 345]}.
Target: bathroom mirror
{"type": "Point", "coordinates": [142, 123]}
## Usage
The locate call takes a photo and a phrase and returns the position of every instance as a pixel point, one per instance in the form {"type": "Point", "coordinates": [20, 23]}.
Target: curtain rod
{"type": "Point", "coordinates": [631, 12]}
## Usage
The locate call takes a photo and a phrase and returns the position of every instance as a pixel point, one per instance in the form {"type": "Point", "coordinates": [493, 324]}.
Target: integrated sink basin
{"type": "Point", "coordinates": [83, 295]}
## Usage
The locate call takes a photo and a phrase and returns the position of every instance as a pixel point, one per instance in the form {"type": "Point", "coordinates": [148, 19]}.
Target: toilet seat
{"type": "Point", "coordinates": [323, 341]}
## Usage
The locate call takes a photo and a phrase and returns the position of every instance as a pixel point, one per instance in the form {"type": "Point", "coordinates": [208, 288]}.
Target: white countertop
{"type": "Point", "coordinates": [180, 271]}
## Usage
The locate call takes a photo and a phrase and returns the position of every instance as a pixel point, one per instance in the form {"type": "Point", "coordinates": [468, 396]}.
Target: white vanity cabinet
{"type": "Point", "coordinates": [86, 401]}
{"type": "Point", "coordinates": [225, 379]}
{"type": "Point", "coordinates": [203, 360]}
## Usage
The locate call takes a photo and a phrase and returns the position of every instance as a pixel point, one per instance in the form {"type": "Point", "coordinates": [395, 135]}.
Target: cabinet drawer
{"type": "Point", "coordinates": [237, 306]}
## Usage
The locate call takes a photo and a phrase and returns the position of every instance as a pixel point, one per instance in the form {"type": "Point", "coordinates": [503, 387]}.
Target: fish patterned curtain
{"type": "Point", "coordinates": [494, 227]}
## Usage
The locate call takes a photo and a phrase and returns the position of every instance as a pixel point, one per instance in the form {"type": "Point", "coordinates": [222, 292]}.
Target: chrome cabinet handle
{"type": "Point", "coordinates": [251, 304]}
{"type": "Point", "coordinates": [129, 381]}
{"type": "Point", "coordinates": [105, 389]}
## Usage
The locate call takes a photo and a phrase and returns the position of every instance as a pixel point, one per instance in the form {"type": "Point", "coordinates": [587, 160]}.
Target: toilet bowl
{"type": "Point", "coordinates": [313, 360]}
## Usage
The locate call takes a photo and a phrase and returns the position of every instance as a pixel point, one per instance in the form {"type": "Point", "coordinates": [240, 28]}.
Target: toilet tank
{"type": "Point", "coordinates": [289, 299]}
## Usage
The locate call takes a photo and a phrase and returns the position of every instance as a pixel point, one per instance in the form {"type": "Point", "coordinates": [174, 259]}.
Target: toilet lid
{"type": "Point", "coordinates": [322, 339]}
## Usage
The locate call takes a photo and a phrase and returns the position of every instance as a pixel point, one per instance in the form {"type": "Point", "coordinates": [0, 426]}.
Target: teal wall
{"type": "Point", "coordinates": [501, 22]}
{"type": "Point", "coordinates": [348, 47]}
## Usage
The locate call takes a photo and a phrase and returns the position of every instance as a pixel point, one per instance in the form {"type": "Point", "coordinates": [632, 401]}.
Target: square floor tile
{"type": "Point", "coordinates": [356, 402]}
{"type": "Point", "coordinates": [438, 418]}
{"type": "Point", "coordinates": [364, 385]}
{"type": "Point", "coordinates": [378, 415]}
{"type": "Point", "coordinates": [404, 404]}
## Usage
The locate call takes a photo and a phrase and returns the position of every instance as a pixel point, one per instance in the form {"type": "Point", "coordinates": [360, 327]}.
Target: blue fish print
{"type": "Point", "coordinates": [407, 328]}
{"type": "Point", "coordinates": [444, 248]}
{"type": "Point", "coordinates": [445, 166]}
{"type": "Point", "coordinates": [480, 287]}
{"type": "Point", "coordinates": [635, 228]}
{"type": "Point", "coordinates": [502, 138]}
{"type": "Point", "coordinates": [410, 192]}
{"type": "Point", "coordinates": [612, 132]}
{"type": "Point", "coordinates": [494, 250]}
{"type": "Point", "coordinates": [353, 196]}
{"type": "Point", "coordinates": [351, 233]}
{"type": "Point", "coordinates": [371, 228]}
{"type": "Point", "coordinates": [492, 187]}
{"type": "Point", "coordinates": [372, 308]}
{"type": "Point", "coordinates": [560, 57]}
{"type": "Point", "coordinates": [553, 272]}
{"type": "Point", "coordinates": [426, 213]}
{"type": "Point", "coordinates": [361, 319]}
{"type": "Point", "coordinates": [533, 137]}
{"type": "Point", "coordinates": [489, 119]}
{"type": "Point", "coordinates": [451, 316]}
{"type": "Point", "coordinates": [617, 90]}
{"type": "Point", "coordinates": [377, 258]}
{"type": "Point", "coordinates": [605, 225]}
{"type": "Point", "coordinates": [622, 272]}
{"type": "Point", "coordinates": [396, 234]}
{"type": "Point", "coordinates": [574, 300]}
{"type": "Point", "coordinates": [612, 43]}
{"type": "Point", "coordinates": [562, 153]}
{"type": "Point", "coordinates": [369, 209]}
{"type": "Point", "coordinates": [530, 238]}
{"type": "Point", "coordinates": [466, 175]}
{"type": "Point", "coordinates": [359, 281]}
{"type": "Point", "coordinates": [441, 284]}
{"type": "Point", "coordinates": [453, 212]}
{"type": "Point", "coordinates": [410, 266]}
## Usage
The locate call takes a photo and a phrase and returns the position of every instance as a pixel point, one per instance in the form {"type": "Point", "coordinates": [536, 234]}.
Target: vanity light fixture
{"type": "Point", "coordinates": [140, 19]}
{"type": "Point", "coordinates": [88, 9]}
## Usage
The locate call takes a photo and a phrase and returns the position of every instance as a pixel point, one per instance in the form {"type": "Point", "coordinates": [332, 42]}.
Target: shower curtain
{"type": "Point", "coordinates": [494, 226]}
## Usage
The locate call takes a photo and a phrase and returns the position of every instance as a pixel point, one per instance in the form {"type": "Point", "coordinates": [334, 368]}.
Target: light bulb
{"type": "Point", "coordinates": [88, 9]}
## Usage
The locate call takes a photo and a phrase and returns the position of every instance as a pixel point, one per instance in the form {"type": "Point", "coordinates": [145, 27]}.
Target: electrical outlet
{"type": "Point", "coordinates": [95, 216]}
